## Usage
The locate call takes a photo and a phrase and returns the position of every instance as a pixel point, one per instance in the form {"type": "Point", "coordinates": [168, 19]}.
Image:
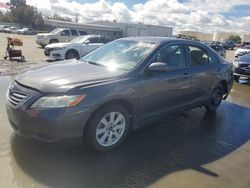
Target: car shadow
{"type": "Point", "coordinates": [184, 141]}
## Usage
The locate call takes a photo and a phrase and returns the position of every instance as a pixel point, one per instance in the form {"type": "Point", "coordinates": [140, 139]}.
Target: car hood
{"type": "Point", "coordinates": [44, 34]}
{"type": "Point", "coordinates": [243, 50]}
{"type": "Point", "coordinates": [244, 59]}
{"type": "Point", "coordinates": [63, 44]}
{"type": "Point", "coordinates": [66, 75]}
{"type": "Point", "coordinates": [57, 45]}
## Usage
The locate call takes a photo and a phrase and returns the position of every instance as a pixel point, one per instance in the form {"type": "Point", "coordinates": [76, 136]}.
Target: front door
{"type": "Point", "coordinates": [166, 91]}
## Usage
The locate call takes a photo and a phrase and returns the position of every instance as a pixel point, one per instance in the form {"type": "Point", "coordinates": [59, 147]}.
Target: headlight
{"type": "Point", "coordinates": [58, 48]}
{"type": "Point", "coordinates": [58, 101]}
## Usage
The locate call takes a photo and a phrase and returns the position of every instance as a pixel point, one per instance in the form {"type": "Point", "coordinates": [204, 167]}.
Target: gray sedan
{"type": "Point", "coordinates": [117, 88]}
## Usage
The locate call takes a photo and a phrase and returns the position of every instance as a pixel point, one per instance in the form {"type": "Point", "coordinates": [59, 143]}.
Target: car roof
{"type": "Point", "coordinates": [158, 40]}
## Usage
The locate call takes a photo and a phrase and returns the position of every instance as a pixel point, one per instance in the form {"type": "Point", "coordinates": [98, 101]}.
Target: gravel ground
{"type": "Point", "coordinates": [34, 55]}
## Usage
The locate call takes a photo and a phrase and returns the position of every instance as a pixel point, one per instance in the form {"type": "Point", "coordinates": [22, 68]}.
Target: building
{"type": "Point", "coordinates": [245, 37]}
{"type": "Point", "coordinates": [133, 30]}
{"type": "Point", "coordinates": [114, 29]}
{"type": "Point", "coordinates": [223, 36]}
{"type": "Point", "coordinates": [198, 35]}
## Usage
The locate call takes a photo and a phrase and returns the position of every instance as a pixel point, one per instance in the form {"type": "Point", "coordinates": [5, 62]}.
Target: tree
{"type": "Point", "coordinates": [57, 16]}
{"type": "Point", "coordinates": [235, 38]}
{"type": "Point", "coordinates": [5, 17]}
{"type": "Point", "coordinates": [17, 3]}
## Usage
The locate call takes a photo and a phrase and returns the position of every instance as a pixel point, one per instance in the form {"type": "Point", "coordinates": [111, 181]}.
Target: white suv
{"type": "Point", "coordinates": [58, 35]}
{"type": "Point", "coordinates": [75, 48]}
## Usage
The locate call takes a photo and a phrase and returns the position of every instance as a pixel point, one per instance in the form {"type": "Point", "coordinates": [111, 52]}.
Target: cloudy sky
{"type": "Point", "coordinates": [201, 15]}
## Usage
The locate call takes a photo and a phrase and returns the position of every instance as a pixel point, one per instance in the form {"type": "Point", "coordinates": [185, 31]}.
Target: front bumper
{"type": "Point", "coordinates": [54, 54]}
{"type": "Point", "coordinates": [50, 125]}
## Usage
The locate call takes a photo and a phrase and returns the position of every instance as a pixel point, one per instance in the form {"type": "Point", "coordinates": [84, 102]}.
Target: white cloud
{"type": "Point", "coordinates": [202, 15]}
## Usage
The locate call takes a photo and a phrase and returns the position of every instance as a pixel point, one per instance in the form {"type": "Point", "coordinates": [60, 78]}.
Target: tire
{"type": "Point", "coordinates": [53, 41]}
{"type": "Point", "coordinates": [71, 54]}
{"type": "Point", "coordinates": [103, 134]}
{"type": "Point", "coordinates": [236, 78]}
{"type": "Point", "coordinates": [215, 99]}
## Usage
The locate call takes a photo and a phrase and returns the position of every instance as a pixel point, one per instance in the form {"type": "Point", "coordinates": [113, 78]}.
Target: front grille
{"type": "Point", "coordinates": [242, 65]}
{"type": "Point", "coordinates": [16, 98]}
{"type": "Point", "coordinates": [241, 71]}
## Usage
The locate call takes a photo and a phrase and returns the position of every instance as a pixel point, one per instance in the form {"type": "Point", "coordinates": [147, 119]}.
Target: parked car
{"type": "Point", "coordinates": [242, 51]}
{"type": "Point", "coordinates": [58, 35]}
{"type": "Point", "coordinates": [219, 49]}
{"type": "Point", "coordinates": [3, 27]}
{"type": "Point", "coordinates": [117, 88]}
{"type": "Point", "coordinates": [76, 48]}
{"type": "Point", "coordinates": [25, 31]}
{"type": "Point", "coordinates": [242, 67]}
{"type": "Point", "coordinates": [228, 45]}
{"type": "Point", "coordinates": [9, 29]}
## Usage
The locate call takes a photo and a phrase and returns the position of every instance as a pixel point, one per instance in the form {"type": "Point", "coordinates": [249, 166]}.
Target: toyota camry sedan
{"type": "Point", "coordinates": [115, 89]}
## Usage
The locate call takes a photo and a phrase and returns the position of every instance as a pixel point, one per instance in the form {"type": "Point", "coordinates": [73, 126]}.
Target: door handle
{"type": "Point", "coordinates": [186, 75]}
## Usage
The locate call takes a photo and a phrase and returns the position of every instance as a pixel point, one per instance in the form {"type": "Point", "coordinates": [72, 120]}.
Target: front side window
{"type": "Point", "coordinates": [198, 55]}
{"type": "Point", "coordinates": [94, 40]}
{"type": "Point", "coordinates": [173, 56]}
{"type": "Point", "coordinates": [65, 33]}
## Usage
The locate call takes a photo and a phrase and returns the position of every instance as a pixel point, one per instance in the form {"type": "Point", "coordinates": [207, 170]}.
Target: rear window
{"type": "Point", "coordinates": [82, 33]}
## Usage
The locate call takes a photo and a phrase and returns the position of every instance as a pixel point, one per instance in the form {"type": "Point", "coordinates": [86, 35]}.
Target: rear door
{"type": "Point", "coordinates": [167, 91]}
{"type": "Point", "coordinates": [203, 71]}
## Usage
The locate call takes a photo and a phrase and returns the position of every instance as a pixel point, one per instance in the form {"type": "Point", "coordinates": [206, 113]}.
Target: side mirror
{"type": "Point", "coordinates": [158, 67]}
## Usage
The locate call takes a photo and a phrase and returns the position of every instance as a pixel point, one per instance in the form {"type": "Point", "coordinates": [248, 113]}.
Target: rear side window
{"type": "Point", "coordinates": [82, 33]}
{"type": "Point", "coordinates": [74, 32]}
{"type": "Point", "coordinates": [173, 56]}
{"type": "Point", "coordinates": [199, 56]}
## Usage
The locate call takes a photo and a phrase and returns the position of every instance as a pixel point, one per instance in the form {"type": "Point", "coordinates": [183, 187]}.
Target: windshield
{"type": "Point", "coordinates": [120, 54]}
{"type": "Point", "coordinates": [55, 31]}
{"type": "Point", "coordinates": [80, 39]}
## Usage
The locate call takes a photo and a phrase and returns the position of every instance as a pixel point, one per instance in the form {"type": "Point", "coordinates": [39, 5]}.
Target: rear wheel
{"type": "Point", "coordinates": [215, 98]}
{"type": "Point", "coordinates": [108, 128]}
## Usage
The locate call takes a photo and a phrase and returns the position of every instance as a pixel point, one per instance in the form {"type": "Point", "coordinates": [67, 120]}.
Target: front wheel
{"type": "Point", "coordinates": [236, 78]}
{"type": "Point", "coordinates": [108, 128]}
{"type": "Point", "coordinates": [71, 55]}
{"type": "Point", "coordinates": [215, 99]}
